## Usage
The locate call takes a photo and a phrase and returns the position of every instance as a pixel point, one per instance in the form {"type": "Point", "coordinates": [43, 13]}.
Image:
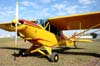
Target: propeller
{"type": "Point", "coordinates": [16, 22]}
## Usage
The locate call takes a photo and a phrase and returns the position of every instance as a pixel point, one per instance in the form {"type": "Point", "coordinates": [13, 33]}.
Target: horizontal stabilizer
{"type": "Point", "coordinates": [84, 40]}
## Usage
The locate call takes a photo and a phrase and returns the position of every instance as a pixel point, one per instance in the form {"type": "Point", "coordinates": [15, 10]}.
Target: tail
{"type": "Point", "coordinates": [73, 38]}
{"type": "Point", "coordinates": [64, 36]}
{"type": "Point", "coordinates": [70, 41]}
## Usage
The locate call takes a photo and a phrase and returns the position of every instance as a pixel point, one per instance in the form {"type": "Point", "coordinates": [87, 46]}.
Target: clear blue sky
{"type": "Point", "coordinates": [36, 9]}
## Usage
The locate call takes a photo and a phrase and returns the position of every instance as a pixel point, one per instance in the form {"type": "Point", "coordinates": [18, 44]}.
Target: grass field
{"type": "Point", "coordinates": [87, 54]}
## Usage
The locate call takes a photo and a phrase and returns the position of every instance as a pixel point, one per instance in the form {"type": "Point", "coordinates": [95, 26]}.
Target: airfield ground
{"type": "Point", "coordinates": [87, 54]}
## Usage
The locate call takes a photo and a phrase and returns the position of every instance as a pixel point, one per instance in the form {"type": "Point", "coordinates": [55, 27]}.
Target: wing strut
{"type": "Point", "coordinates": [87, 30]}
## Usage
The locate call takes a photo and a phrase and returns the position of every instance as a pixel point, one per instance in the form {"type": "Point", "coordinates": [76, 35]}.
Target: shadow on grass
{"type": "Point", "coordinates": [60, 51]}
{"type": "Point", "coordinates": [78, 53]}
{"type": "Point", "coordinates": [12, 48]}
{"type": "Point", "coordinates": [36, 54]}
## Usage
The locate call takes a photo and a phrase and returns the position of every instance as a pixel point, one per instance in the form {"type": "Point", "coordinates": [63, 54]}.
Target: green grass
{"type": "Point", "coordinates": [8, 42]}
{"type": "Point", "coordinates": [3, 40]}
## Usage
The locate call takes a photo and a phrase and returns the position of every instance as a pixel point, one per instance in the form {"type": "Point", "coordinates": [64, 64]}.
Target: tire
{"type": "Point", "coordinates": [54, 57]}
{"type": "Point", "coordinates": [22, 52]}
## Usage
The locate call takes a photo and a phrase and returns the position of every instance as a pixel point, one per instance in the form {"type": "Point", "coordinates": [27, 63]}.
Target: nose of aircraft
{"type": "Point", "coordinates": [14, 22]}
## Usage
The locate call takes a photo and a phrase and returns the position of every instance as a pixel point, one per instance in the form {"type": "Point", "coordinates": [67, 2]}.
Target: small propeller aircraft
{"type": "Point", "coordinates": [48, 33]}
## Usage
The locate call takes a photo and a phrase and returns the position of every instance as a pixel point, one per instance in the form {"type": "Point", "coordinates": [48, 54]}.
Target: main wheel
{"type": "Point", "coordinates": [54, 57]}
{"type": "Point", "coordinates": [22, 52]}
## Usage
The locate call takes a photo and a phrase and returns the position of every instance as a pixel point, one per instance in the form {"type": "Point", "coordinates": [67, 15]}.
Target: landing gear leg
{"type": "Point", "coordinates": [52, 56]}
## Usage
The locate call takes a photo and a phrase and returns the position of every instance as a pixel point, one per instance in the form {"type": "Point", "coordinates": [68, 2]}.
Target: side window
{"type": "Point", "coordinates": [54, 30]}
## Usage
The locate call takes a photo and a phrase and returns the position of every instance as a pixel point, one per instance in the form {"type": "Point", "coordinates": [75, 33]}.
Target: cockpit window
{"type": "Point", "coordinates": [42, 22]}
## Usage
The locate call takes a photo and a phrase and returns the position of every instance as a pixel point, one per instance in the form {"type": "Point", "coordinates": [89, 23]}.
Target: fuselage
{"type": "Point", "coordinates": [37, 33]}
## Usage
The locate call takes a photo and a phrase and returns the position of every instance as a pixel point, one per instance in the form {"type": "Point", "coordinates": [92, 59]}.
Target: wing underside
{"type": "Point", "coordinates": [7, 27]}
{"type": "Point", "coordinates": [81, 21]}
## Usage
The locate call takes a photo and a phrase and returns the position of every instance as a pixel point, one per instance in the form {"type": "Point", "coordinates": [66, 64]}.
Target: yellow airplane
{"type": "Point", "coordinates": [48, 33]}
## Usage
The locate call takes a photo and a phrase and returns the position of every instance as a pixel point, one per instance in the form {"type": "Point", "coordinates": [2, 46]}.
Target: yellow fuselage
{"type": "Point", "coordinates": [38, 35]}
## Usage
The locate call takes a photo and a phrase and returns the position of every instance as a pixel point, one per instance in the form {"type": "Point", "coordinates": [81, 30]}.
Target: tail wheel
{"type": "Point", "coordinates": [54, 57]}
{"type": "Point", "coordinates": [75, 45]}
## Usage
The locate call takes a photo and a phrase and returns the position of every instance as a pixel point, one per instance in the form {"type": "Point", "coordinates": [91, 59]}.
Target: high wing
{"type": "Point", "coordinates": [80, 21]}
{"type": "Point", "coordinates": [7, 27]}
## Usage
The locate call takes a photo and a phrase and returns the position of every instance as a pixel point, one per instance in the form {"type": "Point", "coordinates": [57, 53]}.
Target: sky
{"type": "Point", "coordinates": [40, 9]}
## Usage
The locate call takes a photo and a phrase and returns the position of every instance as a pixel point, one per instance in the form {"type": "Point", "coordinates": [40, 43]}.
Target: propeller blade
{"type": "Point", "coordinates": [16, 22]}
